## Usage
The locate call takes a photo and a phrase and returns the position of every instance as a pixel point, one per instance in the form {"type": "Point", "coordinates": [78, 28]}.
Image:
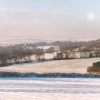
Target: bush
{"type": "Point", "coordinates": [93, 70]}
{"type": "Point", "coordinates": [96, 64]}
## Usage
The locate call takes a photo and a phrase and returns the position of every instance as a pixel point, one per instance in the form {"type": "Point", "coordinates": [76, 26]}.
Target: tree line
{"type": "Point", "coordinates": [15, 55]}
{"type": "Point", "coordinates": [64, 43]}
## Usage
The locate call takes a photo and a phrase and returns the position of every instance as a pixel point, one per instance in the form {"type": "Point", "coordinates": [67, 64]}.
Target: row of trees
{"type": "Point", "coordinates": [87, 51]}
{"type": "Point", "coordinates": [65, 52]}
{"type": "Point", "coordinates": [15, 56]}
{"type": "Point", "coordinates": [22, 53]}
{"type": "Point", "coordinates": [19, 54]}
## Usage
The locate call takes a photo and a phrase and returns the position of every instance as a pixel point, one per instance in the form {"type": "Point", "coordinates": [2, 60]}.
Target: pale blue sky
{"type": "Point", "coordinates": [50, 19]}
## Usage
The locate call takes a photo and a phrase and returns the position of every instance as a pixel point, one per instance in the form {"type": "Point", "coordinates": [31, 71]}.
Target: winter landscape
{"type": "Point", "coordinates": [49, 50]}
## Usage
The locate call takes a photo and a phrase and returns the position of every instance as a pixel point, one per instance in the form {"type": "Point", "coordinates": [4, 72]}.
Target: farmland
{"type": "Point", "coordinates": [62, 66]}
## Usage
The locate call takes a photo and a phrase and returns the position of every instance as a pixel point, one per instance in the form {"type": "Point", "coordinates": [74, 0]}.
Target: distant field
{"type": "Point", "coordinates": [62, 66]}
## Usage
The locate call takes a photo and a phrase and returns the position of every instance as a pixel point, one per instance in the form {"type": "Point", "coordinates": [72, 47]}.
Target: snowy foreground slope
{"type": "Point", "coordinates": [49, 89]}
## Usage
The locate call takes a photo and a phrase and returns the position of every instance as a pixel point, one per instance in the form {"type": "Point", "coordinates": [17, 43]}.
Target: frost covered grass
{"type": "Point", "coordinates": [49, 89]}
{"type": "Point", "coordinates": [59, 66]}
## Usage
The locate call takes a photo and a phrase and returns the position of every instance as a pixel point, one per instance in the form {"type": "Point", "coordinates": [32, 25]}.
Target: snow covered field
{"type": "Point", "coordinates": [49, 89]}
{"type": "Point", "coordinates": [62, 66]}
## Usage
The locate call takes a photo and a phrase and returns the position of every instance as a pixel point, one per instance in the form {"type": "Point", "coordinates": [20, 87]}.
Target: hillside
{"type": "Point", "coordinates": [62, 66]}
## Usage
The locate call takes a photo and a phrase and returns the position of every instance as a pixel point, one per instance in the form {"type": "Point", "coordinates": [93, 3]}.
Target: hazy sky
{"type": "Point", "coordinates": [50, 19]}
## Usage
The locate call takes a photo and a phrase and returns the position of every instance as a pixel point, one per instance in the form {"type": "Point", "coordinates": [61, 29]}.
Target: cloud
{"type": "Point", "coordinates": [17, 10]}
{"type": "Point", "coordinates": [31, 11]}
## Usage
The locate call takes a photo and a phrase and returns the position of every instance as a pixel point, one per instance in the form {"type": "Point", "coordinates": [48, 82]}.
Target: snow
{"type": "Point", "coordinates": [47, 56]}
{"type": "Point", "coordinates": [62, 66]}
{"type": "Point", "coordinates": [49, 89]}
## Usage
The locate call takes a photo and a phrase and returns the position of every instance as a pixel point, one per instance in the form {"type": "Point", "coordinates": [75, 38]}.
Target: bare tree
{"type": "Point", "coordinates": [39, 53]}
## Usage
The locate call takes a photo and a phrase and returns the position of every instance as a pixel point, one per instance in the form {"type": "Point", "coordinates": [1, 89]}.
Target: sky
{"type": "Point", "coordinates": [50, 19]}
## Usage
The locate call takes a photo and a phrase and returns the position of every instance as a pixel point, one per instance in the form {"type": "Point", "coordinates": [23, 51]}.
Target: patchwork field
{"type": "Point", "coordinates": [62, 66]}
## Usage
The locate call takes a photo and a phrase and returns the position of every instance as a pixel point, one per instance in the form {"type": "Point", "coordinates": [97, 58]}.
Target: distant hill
{"type": "Point", "coordinates": [35, 43]}
{"type": "Point", "coordinates": [65, 43]}
{"type": "Point", "coordinates": [97, 41]}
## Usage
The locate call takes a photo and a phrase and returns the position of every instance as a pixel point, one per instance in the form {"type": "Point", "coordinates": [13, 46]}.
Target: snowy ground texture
{"type": "Point", "coordinates": [62, 66]}
{"type": "Point", "coordinates": [49, 89]}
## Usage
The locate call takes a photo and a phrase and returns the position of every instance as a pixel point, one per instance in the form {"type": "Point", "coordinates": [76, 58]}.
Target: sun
{"type": "Point", "coordinates": [91, 16]}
